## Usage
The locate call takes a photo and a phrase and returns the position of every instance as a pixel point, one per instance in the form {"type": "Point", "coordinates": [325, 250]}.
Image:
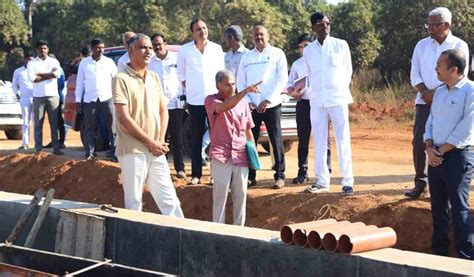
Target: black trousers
{"type": "Point", "coordinates": [61, 127]}
{"type": "Point", "coordinates": [271, 117]}
{"type": "Point", "coordinates": [419, 156]}
{"type": "Point", "coordinates": [450, 185]}
{"type": "Point", "coordinates": [90, 120]}
{"type": "Point", "coordinates": [175, 135]}
{"type": "Point", "coordinates": [303, 125]}
{"type": "Point", "coordinates": [197, 117]}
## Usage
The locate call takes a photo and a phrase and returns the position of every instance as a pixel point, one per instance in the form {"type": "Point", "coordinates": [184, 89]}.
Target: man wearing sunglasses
{"type": "Point", "coordinates": [424, 80]}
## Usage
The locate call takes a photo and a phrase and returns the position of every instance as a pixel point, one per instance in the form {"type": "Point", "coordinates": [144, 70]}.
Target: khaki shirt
{"type": "Point", "coordinates": [143, 102]}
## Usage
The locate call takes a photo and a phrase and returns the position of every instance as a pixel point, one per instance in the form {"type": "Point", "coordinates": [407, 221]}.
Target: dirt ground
{"type": "Point", "coordinates": [382, 168]}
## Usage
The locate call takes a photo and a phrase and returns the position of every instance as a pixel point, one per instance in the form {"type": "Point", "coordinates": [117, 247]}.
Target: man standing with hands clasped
{"type": "Point", "coordinates": [449, 140]}
{"type": "Point", "coordinates": [142, 118]}
{"type": "Point", "coordinates": [231, 126]}
{"type": "Point", "coordinates": [424, 80]}
{"type": "Point", "coordinates": [267, 64]}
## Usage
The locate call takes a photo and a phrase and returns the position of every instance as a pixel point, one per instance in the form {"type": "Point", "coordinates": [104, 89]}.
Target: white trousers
{"type": "Point", "coordinates": [225, 176]}
{"type": "Point", "coordinates": [141, 168]}
{"type": "Point", "coordinates": [339, 116]}
{"type": "Point", "coordinates": [27, 115]}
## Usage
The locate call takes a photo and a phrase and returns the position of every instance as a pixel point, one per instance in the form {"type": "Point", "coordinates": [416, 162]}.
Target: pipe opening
{"type": "Point", "coordinates": [286, 235]}
{"type": "Point", "coordinates": [314, 240]}
{"type": "Point", "coordinates": [330, 242]}
{"type": "Point", "coordinates": [299, 237]}
{"type": "Point", "coordinates": [345, 244]}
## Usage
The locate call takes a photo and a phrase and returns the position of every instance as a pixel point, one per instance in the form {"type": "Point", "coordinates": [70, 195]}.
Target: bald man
{"type": "Point", "coordinates": [267, 64]}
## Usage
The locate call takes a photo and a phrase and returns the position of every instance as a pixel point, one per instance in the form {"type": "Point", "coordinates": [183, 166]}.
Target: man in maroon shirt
{"type": "Point", "coordinates": [230, 122]}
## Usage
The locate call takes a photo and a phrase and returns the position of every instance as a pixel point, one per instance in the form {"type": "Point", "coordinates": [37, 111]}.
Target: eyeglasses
{"type": "Point", "coordinates": [435, 25]}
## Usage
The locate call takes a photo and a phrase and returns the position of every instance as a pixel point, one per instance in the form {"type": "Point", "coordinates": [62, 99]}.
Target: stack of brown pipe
{"type": "Point", "coordinates": [342, 236]}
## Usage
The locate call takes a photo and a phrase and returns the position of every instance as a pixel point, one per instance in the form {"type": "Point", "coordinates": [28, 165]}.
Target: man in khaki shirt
{"type": "Point", "coordinates": [142, 118]}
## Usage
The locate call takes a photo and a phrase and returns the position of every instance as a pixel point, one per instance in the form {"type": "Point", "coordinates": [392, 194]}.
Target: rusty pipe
{"type": "Point", "coordinates": [330, 240]}
{"type": "Point", "coordinates": [286, 233]}
{"type": "Point", "coordinates": [313, 239]}
{"type": "Point", "coordinates": [367, 240]}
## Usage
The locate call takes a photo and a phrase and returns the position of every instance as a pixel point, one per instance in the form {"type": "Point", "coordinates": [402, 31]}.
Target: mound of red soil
{"type": "Point", "coordinates": [99, 182]}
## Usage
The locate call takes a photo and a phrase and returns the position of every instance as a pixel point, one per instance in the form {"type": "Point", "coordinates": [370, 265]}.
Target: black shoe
{"type": "Point", "coordinates": [251, 183]}
{"type": "Point", "coordinates": [58, 152]}
{"type": "Point", "coordinates": [49, 145]}
{"type": "Point", "coordinates": [347, 191]}
{"type": "Point", "coordinates": [415, 192]}
{"type": "Point", "coordinates": [62, 146]}
{"type": "Point", "coordinates": [300, 179]}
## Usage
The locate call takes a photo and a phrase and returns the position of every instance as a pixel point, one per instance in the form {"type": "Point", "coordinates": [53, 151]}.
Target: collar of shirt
{"type": "Point", "coordinates": [130, 71]}
{"type": "Point", "coordinates": [240, 50]}
{"type": "Point", "coordinates": [460, 83]}
{"type": "Point", "coordinates": [449, 38]}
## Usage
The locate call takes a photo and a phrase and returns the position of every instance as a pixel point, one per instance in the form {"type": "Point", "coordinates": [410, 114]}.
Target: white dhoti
{"type": "Point", "coordinates": [339, 116]}
{"type": "Point", "coordinates": [27, 114]}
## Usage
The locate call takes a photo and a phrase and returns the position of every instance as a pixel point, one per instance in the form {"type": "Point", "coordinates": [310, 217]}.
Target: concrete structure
{"type": "Point", "coordinates": [197, 248]}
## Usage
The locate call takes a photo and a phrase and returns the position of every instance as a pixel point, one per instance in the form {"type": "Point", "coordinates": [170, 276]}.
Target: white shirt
{"type": "Point", "coordinates": [232, 59]}
{"type": "Point", "coordinates": [122, 61]}
{"type": "Point", "coordinates": [330, 71]}
{"type": "Point", "coordinates": [199, 70]}
{"type": "Point", "coordinates": [297, 71]}
{"type": "Point", "coordinates": [94, 79]}
{"type": "Point", "coordinates": [425, 56]}
{"type": "Point", "coordinates": [451, 116]}
{"type": "Point", "coordinates": [22, 85]}
{"type": "Point", "coordinates": [47, 87]}
{"type": "Point", "coordinates": [167, 70]}
{"type": "Point", "coordinates": [269, 66]}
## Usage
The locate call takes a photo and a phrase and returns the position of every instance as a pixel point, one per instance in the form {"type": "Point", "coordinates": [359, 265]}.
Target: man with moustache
{"type": "Point", "coordinates": [44, 71]}
{"type": "Point", "coordinates": [267, 64]}
{"type": "Point", "coordinates": [94, 95]}
{"type": "Point", "coordinates": [198, 63]}
{"type": "Point", "coordinates": [164, 63]}
{"type": "Point", "coordinates": [449, 140]}
{"type": "Point", "coordinates": [329, 65]}
{"type": "Point", "coordinates": [424, 80]}
{"type": "Point", "coordinates": [142, 118]}
{"type": "Point", "coordinates": [233, 38]}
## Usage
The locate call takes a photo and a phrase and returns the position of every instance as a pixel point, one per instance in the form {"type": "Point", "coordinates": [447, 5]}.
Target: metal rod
{"type": "Point", "coordinates": [88, 268]}
{"type": "Point", "coordinates": [25, 216]}
{"type": "Point", "coordinates": [39, 219]}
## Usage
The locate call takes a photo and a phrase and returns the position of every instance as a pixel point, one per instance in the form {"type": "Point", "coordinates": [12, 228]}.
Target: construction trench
{"type": "Point", "coordinates": [84, 239]}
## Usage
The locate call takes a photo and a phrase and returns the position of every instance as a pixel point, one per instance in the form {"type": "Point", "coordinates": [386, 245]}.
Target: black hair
{"type": "Point", "coordinates": [456, 58]}
{"type": "Point", "coordinates": [85, 51]}
{"type": "Point", "coordinates": [304, 37]}
{"type": "Point", "coordinates": [41, 42]}
{"type": "Point", "coordinates": [158, 35]}
{"type": "Point", "coordinates": [96, 41]}
{"type": "Point", "coordinates": [315, 17]}
{"type": "Point", "coordinates": [194, 22]}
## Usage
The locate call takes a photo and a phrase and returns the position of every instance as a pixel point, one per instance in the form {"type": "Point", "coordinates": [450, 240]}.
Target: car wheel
{"type": "Point", "coordinates": [14, 134]}
{"type": "Point", "coordinates": [287, 144]}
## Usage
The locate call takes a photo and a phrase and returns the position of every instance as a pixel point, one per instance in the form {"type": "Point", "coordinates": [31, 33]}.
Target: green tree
{"type": "Point", "coordinates": [13, 34]}
{"type": "Point", "coordinates": [353, 21]}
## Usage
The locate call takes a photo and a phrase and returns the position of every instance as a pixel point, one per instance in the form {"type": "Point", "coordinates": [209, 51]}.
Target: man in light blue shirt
{"type": "Point", "coordinates": [449, 143]}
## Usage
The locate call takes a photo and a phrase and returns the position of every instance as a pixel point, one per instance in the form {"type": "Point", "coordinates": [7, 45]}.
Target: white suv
{"type": "Point", "coordinates": [10, 112]}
